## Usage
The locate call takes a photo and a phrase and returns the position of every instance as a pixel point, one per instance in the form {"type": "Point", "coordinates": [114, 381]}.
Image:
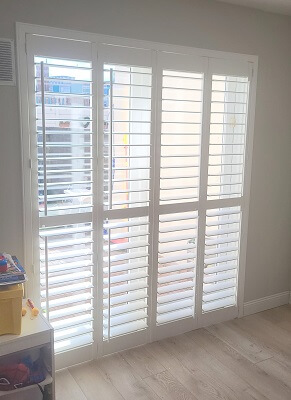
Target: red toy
{"type": "Point", "coordinates": [13, 376]}
{"type": "Point", "coordinates": [3, 264]}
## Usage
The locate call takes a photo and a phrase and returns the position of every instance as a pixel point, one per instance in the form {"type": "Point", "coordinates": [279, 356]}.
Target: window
{"type": "Point", "coordinates": [139, 190]}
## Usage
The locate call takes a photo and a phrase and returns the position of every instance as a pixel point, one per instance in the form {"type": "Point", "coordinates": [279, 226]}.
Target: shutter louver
{"type": "Point", "coordinates": [125, 276]}
{"type": "Point", "coordinates": [227, 136]}
{"type": "Point", "coordinates": [180, 136]}
{"type": "Point", "coordinates": [221, 260]}
{"type": "Point", "coordinates": [176, 266]}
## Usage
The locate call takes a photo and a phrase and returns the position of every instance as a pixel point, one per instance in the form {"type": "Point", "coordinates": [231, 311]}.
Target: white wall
{"type": "Point", "coordinates": [197, 23]}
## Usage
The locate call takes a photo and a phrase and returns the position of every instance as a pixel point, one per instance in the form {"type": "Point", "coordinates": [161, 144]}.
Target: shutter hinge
{"type": "Point", "coordinates": [30, 163]}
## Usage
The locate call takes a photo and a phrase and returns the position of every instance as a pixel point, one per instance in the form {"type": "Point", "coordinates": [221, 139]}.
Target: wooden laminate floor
{"type": "Point", "coordinates": [243, 359]}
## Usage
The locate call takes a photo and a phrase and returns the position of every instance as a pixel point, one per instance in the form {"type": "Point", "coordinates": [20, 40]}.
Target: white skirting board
{"type": "Point", "coordinates": [265, 303]}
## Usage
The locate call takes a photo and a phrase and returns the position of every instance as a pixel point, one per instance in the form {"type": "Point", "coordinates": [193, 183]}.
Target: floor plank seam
{"type": "Point", "coordinates": [270, 358]}
{"type": "Point", "coordinates": [72, 376]}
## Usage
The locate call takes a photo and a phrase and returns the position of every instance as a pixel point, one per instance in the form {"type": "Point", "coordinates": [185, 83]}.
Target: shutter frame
{"type": "Point", "coordinates": [122, 343]}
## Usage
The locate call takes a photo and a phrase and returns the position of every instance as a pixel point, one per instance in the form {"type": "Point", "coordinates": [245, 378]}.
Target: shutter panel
{"type": "Point", "coordinates": [63, 101]}
{"type": "Point", "coordinates": [127, 139]}
{"type": "Point", "coordinates": [221, 261]}
{"type": "Point", "coordinates": [125, 276]}
{"type": "Point", "coordinates": [127, 144]}
{"type": "Point", "coordinates": [177, 266]}
{"type": "Point", "coordinates": [225, 187]}
{"type": "Point", "coordinates": [180, 136]}
{"type": "Point", "coordinates": [227, 136]}
{"type": "Point", "coordinates": [63, 93]}
{"type": "Point", "coordinates": [180, 89]}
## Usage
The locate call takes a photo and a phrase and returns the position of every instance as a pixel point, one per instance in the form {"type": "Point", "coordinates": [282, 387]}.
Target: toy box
{"type": "Point", "coordinates": [10, 309]}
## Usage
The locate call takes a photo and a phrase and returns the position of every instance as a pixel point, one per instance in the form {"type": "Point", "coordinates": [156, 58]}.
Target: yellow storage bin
{"type": "Point", "coordinates": [10, 309]}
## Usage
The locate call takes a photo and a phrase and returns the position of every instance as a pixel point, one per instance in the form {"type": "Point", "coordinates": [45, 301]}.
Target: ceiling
{"type": "Point", "coordinates": [276, 6]}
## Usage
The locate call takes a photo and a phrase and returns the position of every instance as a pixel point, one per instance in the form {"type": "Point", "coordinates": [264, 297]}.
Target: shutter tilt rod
{"type": "Point", "coordinates": [110, 158]}
{"type": "Point", "coordinates": [109, 284]}
{"type": "Point", "coordinates": [43, 136]}
{"type": "Point", "coordinates": [46, 278]}
{"type": "Point", "coordinates": [44, 179]}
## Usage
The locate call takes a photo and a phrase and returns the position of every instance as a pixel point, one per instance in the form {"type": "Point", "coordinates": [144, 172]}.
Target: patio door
{"type": "Point", "coordinates": [138, 161]}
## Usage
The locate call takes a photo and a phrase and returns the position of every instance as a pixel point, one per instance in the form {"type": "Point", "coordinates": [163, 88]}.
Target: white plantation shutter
{"type": "Point", "coordinates": [227, 136]}
{"type": "Point", "coordinates": [139, 216]}
{"type": "Point", "coordinates": [176, 266]}
{"type": "Point", "coordinates": [225, 189]}
{"type": "Point", "coordinates": [66, 283]}
{"type": "Point", "coordinates": [221, 262]}
{"type": "Point", "coordinates": [125, 281]}
{"type": "Point", "coordinates": [181, 118]}
{"type": "Point", "coordinates": [180, 90]}
{"type": "Point", "coordinates": [127, 136]}
{"type": "Point", "coordinates": [127, 127]}
{"type": "Point", "coordinates": [63, 136]}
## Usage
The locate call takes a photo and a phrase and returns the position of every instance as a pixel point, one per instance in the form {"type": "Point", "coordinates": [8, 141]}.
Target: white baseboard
{"type": "Point", "coordinates": [265, 303]}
